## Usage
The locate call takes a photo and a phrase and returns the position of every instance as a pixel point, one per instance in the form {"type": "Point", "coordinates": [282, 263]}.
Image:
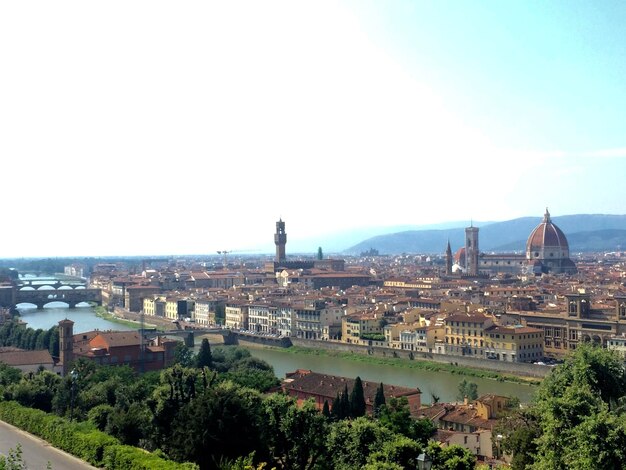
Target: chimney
{"type": "Point", "coordinates": [465, 400]}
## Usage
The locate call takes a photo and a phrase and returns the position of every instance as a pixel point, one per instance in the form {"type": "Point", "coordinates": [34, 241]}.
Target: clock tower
{"type": "Point", "coordinates": [280, 239]}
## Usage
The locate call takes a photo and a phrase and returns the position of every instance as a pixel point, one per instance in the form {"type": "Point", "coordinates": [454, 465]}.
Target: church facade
{"type": "Point", "coordinates": [547, 251]}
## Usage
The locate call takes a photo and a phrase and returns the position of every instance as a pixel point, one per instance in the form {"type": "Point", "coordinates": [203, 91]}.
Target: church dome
{"type": "Point", "coordinates": [547, 241]}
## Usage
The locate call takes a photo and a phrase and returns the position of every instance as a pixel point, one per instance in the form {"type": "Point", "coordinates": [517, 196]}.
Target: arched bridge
{"type": "Point", "coordinates": [70, 296]}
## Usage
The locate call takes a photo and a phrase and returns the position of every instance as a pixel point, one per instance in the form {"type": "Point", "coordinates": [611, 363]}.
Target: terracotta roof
{"type": "Point", "coordinates": [467, 318]}
{"type": "Point", "coordinates": [120, 338]}
{"type": "Point", "coordinates": [546, 234]}
{"type": "Point", "coordinates": [330, 385]}
{"type": "Point", "coordinates": [23, 358]}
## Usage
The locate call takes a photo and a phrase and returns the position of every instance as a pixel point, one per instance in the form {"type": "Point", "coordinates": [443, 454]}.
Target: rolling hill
{"type": "Point", "coordinates": [585, 232]}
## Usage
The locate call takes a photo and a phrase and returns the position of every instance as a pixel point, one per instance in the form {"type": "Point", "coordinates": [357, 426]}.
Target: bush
{"type": "Point", "coordinates": [83, 440]}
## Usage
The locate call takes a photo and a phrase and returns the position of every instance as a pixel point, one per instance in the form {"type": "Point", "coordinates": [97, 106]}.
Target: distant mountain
{"type": "Point", "coordinates": [338, 241]}
{"type": "Point", "coordinates": [585, 232]}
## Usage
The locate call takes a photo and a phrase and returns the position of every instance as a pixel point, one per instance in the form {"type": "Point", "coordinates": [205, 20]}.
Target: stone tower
{"type": "Point", "coordinates": [66, 344]}
{"type": "Point", "coordinates": [471, 250]}
{"type": "Point", "coordinates": [448, 259]}
{"type": "Point", "coordinates": [280, 239]}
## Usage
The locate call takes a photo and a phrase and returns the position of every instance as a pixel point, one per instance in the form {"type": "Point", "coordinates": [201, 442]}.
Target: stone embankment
{"type": "Point", "coordinates": [514, 368]}
{"type": "Point", "coordinates": [521, 369]}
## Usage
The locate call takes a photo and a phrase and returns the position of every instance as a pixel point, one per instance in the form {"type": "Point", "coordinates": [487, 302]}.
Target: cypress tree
{"type": "Point", "coordinates": [357, 399]}
{"type": "Point", "coordinates": [379, 399]}
{"type": "Point", "coordinates": [204, 357]}
{"type": "Point", "coordinates": [344, 403]}
{"type": "Point", "coordinates": [335, 412]}
{"type": "Point", "coordinates": [326, 410]}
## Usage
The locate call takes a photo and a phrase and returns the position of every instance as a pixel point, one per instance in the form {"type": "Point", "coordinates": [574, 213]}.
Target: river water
{"type": "Point", "coordinates": [442, 384]}
{"type": "Point", "coordinates": [84, 318]}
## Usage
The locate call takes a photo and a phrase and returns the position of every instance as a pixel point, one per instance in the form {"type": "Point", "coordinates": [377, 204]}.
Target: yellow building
{"type": "Point", "coordinates": [465, 334]}
{"type": "Point", "coordinates": [514, 343]}
{"type": "Point", "coordinates": [356, 329]}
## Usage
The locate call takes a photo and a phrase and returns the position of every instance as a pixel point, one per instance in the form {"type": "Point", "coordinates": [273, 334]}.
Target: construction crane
{"type": "Point", "coordinates": [224, 252]}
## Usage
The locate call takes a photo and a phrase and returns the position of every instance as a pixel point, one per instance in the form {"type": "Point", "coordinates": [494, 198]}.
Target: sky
{"type": "Point", "coordinates": [152, 127]}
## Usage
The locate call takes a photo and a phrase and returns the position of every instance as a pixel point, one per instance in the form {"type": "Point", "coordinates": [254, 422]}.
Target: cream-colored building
{"type": "Point", "coordinates": [236, 315]}
{"type": "Point", "coordinates": [514, 343]}
{"type": "Point", "coordinates": [465, 334]}
{"type": "Point", "coordinates": [356, 328]}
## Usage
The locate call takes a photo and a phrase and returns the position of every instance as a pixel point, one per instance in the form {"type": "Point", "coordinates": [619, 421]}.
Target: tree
{"type": "Point", "coordinates": [204, 357]}
{"type": "Point", "coordinates": [467, 389]}
{"type": "Point", "coordinates": [326, 409]}
{"type": "Point", "coordinates": [396, 416]}
{"type": "Point", "coordinates": [357, 399]}
{"type": "Point", "coordinates": [577, 419]}
{"type": "Point", "coordinates": [320, 253]}
{"type": "Point", "coordinates": [295, 435]}
{"type": "Point", "coordinates": [452, 457]}
{"type": "Point", "coordinates": [399, 451]}
{"type": "Point", "coordinates": [183, 355]}
{"type": "Point", "coordinates": [221, 423]}
{"type": "Point", "coordinates": [350, 443]}
{"type": "Point", "coordinates": [379, 399]}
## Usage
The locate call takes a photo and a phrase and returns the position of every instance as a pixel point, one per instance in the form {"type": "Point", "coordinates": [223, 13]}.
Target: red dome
{"type": "Point", "coordinates": [459, 257]}
{"type": "Point", "coordinates": [547, 241]}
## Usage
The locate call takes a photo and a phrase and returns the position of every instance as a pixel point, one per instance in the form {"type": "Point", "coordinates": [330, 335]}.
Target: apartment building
{"type": "Point", "coordinates": [465, 334]}
{"type": "Point", "coordinates": [236, 315]}
{"type": "Point", "coordinates": [514, 343]}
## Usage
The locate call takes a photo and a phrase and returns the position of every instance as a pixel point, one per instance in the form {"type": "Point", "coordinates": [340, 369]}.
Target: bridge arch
{"type": "Point", "coordinates": [26, 305]}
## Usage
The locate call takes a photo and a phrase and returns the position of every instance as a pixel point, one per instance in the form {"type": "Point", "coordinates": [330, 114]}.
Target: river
{"type": "Point", "coordinates": [442, 384]}
{"type": "Point", "coordinates": [84, 318]}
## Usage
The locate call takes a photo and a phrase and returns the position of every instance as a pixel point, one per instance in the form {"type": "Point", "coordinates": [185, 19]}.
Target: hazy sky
{"type": "Point", "coordinates": [154, 127]}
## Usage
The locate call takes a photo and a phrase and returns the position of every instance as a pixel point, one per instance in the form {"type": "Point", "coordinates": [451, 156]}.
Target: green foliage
{"type": "Point", "coordinates": [379, 399]}
{"type": "Point", "coordinates": [373, 336]}
{"type": "Point", "coordinates": [9, 375]}
{"type": "Point", "coordinates": [326, 410]}
{"type": "Point", "coordinates": [450, 457]}
{"type": "Point", "coordinates": [222, 422]}
{"type": "Point", "coordinates": [519, 430]}
{"type": "Point", "coordinates": [183, 355]}
{"type": "Point", "coordinates": [577, 419]}
{"type": "Point", "coordinates": [129, 424]}
{"type": "Point", "coordinates": [357, 399]}
{"type": "Point", "coordinates": [396, 416]}
{"type": "Point", "coordinates": [132, 458]}
{"type": "Point", "coordinates": [81, 440]}
{"type": "Point", "coordinates": [295, 435]}
{"type": "Point", "coordinates": [320, 253]}
{"type": "Point", "coordinates": [17, 334]}
{"type": "Point", "coordinates": [350, 443]}
{"type": "Point", "coordinates": [99, 416]}
{"type": "Point", "coordinates": [13, 460]}
{"type": "Point", "coordinates": [35, 390]}
{"type": "Point", "coordinates": [467, 389]}
{"type": "Point", "coordinates": [401, 452]}
{"type": "Point", "coordinates": [204, 357]}
{"type": "Point", "coordinates": [603, 371]}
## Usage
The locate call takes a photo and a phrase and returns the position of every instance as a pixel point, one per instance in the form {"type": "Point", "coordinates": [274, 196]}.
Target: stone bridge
{"type": "Point", "coordinates": [71, 297]}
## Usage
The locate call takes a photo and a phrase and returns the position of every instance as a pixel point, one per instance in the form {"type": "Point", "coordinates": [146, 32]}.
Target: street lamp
{"type": "Point", "coordinates": [424, 462]}
{"type": "Point", "coordinates": [73, 378]}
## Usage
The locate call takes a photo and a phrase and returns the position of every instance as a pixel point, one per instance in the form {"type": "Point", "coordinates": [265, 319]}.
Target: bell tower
{"type": "Point", "coordinates": [471, 250]}
{"type": "Point", "coordinates": [448, 259]}
{"type": "Point", "coordinates": [66, 344]}
{"type": "Point", "coordinates": [280, 239]}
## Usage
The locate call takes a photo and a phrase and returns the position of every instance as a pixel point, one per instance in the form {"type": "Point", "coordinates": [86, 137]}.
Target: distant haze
{"type": "Point", "coordinates": [151, 127]}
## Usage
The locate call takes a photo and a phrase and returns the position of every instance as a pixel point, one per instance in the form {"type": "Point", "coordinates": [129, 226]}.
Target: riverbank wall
{"type": "Point", "coordinates": [514, 368]}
